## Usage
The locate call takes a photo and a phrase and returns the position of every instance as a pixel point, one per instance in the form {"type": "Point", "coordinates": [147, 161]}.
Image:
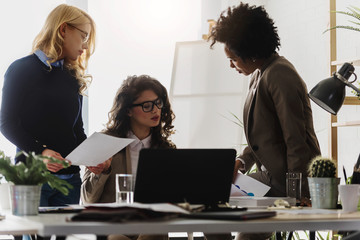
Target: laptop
{"type": "Point", "coordinates": [194, 176]}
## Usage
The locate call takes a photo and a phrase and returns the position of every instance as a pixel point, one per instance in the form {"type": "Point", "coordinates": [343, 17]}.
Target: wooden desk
{"type": "Point", "coordinates": [48, 224]}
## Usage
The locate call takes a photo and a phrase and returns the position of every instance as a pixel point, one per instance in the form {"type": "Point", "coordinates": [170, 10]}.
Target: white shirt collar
{"type": "Point", "coordinates": [146, 142]}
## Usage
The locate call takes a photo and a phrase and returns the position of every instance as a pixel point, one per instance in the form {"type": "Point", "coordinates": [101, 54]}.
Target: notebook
{"type": "Point", "coordinates": [195, 176]}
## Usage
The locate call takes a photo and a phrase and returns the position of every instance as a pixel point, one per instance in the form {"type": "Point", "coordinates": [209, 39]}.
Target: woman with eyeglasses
{"type": "Point", "coordinates": [43, 94]}
{"type": "Point", "coordinates": [141, 111]}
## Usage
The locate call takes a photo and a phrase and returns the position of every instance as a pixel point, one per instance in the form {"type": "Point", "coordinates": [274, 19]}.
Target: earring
{"type": "Point", "coordinates": [253, 60]}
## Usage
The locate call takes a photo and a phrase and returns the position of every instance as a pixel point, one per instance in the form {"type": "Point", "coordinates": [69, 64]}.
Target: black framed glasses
{"type": "Point", "coordinates": [148, 106]}
{"type": "Point", "coordinates": [84, 39]}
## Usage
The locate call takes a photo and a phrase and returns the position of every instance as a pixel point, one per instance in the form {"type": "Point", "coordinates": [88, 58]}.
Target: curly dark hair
{"type": "Point", "coordinates": [119, 121]}
{"type": "Point", "coordinates": [247, 31]}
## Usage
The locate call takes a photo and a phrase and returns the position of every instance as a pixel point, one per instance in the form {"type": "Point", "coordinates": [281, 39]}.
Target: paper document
{"type": "Point", "coordinates": [97, 149]}
{"type": "Point", "coordinates": [248, 186]}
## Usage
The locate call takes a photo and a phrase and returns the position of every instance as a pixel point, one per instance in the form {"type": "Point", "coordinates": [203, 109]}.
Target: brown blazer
{"type": "Point", "coordinates": [100, 188]}
{"type": "Point", "coordinates": [278, 123]}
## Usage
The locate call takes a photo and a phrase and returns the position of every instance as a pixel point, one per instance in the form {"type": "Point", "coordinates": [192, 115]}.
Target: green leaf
{"type": "Point", "coordinates": [33, 171]}
{"type": "Point", "coordinates": [319, 235]}
{"type": "Point", "coordinates": [354, 12]}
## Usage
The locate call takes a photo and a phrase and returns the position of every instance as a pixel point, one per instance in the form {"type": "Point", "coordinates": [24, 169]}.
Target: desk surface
{"type": "Point", "coordinates": [47, 224]}
{"type": "Point", "coordinates": [18, 225]}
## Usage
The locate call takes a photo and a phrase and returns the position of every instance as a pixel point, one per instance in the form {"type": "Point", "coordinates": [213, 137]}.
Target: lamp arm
{"type": "Point", "coordinates": [349, 84]}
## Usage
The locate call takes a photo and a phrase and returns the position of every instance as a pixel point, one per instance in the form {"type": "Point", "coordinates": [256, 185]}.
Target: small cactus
{"type": "Point", "coordinates": [322, 167]}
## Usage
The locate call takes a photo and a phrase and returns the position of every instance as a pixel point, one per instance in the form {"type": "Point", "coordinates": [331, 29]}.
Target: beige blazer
{"type": "Point", "coordinates": [100, 188]}
{"type": "Point", "coordinates": [278, 123]}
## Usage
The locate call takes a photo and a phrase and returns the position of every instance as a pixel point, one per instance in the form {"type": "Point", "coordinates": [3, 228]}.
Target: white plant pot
{"type": "Point", "coordinates": [25, 199]}
{"type": "Point", "coordinates": [4, 196]}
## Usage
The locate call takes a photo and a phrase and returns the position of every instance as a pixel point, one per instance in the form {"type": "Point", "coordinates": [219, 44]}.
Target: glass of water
{"type": "Point", "coordinates": [124, 188]}
{"type": "Point", "coordinates": [293, 185]}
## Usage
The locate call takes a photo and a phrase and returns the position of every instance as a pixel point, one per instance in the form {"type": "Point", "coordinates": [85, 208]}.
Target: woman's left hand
{"type": "Point", "coordinates": [102, 167]}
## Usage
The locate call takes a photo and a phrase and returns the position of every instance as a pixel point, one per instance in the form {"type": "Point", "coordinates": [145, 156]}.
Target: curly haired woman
{"type": "Point", "coordinates": [141, 111]}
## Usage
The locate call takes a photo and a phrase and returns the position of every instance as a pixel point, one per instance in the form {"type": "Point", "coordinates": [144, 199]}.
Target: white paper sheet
{"type": "Point", "coordinates": [248, 186]}
{"type": "Point", "coordinates": [97, 149]}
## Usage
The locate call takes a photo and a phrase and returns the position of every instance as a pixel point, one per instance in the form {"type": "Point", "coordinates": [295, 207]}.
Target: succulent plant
{"type": "Point", "coordinates": [322, 167]}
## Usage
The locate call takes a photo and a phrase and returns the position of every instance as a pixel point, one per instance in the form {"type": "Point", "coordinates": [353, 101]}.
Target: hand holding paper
{"type": "Point", "coordinates": [97, 149]}
{"type": "Point", "coordinates": [101, 167]}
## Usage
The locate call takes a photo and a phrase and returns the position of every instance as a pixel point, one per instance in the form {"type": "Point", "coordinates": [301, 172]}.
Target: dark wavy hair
{"type": "Point", "coordinates": [247, 31]}
{"type": "Point", "coordinates": [119, 121]}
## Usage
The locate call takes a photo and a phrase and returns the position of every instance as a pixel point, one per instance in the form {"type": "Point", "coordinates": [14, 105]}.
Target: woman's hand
{"type": "Point", "coordinates": [53, 167]}
{"type": "Point", "coordinates": [102, 167]}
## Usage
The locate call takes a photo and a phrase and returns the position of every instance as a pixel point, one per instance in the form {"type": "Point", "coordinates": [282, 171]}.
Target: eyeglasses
{"type": "Point", "coordinates": [148, 106]}
{"type": "Point", "coordinates": [84, 39]}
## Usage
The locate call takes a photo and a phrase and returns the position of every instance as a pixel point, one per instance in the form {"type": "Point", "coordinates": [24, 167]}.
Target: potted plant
{"type": "Point", "coordinates": [27, 179]}
{"type": "Point", "coordinates": [323, 183]}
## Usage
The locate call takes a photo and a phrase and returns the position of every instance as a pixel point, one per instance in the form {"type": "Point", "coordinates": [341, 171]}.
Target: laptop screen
{"type": "Point", "coordinates": [196, 176]}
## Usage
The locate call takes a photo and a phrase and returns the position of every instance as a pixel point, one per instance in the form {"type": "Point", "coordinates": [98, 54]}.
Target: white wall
{"type": "Point", "coordinates": [205, 94]}
{"type": "Point", "coordinates": [135, 37]}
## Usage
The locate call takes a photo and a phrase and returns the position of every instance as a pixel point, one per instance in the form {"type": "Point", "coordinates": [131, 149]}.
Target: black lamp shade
{"type": "Point", "coordinates": [329, 94]}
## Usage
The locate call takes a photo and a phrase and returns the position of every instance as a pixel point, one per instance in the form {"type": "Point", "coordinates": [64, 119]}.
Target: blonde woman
{"type": "Point", "coordinates": [43, 94]}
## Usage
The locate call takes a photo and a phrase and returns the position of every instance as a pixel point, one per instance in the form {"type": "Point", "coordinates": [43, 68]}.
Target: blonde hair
{"type": "Point", "coordinates": [50, 41]}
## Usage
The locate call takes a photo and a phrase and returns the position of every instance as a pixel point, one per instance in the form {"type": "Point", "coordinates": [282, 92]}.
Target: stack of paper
{"type": "Point", "coordinates": [247, 201]}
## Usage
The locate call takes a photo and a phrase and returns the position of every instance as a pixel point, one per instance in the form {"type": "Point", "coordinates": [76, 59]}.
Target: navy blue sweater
{"type": "Point", "coordinates": [41, 107]}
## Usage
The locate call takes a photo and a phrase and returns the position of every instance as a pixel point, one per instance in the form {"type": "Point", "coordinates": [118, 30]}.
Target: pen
{"type": "Point", "coordinates": [241, 189]}
{"type": "Point", "coordinates": [345, 174]}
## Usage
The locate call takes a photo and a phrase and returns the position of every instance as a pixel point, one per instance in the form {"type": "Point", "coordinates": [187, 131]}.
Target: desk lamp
{"type": "Point", "coordinates": [330, 93]}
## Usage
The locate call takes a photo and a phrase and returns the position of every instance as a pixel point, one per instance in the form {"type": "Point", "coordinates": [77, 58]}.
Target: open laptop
{"type": "Point", "coordinates": [195, 176]}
